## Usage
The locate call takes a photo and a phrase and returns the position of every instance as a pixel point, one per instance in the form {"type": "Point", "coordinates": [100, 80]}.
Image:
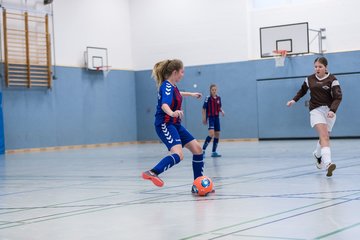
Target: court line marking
{"type": "Point", "coordinates": [269, 216]}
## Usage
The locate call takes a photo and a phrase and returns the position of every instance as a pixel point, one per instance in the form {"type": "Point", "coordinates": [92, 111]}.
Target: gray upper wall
{"type": "Point", "coordinates": [139, 33]}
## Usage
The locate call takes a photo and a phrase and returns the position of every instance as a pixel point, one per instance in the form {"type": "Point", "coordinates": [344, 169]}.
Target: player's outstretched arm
{"type": "Point", "coordinates": [191, 94]}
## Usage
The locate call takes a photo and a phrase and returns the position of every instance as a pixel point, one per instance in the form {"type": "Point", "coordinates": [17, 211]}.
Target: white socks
{"type": "Point", "coordinates": [326, 156]}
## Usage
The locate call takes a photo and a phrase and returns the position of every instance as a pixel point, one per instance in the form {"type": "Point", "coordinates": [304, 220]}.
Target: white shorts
{"type": "Point", "coordinates": [319, 115]}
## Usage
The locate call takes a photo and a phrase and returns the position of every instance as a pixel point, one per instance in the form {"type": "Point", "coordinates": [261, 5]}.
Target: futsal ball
{"type": "Point", "coordinates": [202, 185]}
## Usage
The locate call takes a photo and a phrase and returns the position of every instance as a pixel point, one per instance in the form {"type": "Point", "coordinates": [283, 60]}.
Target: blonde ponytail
{"type": "Point", "coordinates": [163, 70]}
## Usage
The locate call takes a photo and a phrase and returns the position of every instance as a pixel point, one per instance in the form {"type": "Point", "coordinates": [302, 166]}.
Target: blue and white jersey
{"type": "Point", "coordinates": [171, 96]}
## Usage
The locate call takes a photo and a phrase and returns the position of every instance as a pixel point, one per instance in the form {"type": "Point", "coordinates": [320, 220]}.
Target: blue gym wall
{"type": "Point", "coordinates": [84, 108]}
{"type": "Point", "coordinates": [281, 84]}
{"type": "Point", "coordinates": [81, 108]}
{"type": "Point", "coordinates": [254, 96]}
{"type": "Point", "coordinates": [236, 86]}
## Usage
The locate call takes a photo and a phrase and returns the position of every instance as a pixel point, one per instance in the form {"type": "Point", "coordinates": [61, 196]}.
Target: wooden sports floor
{"type": "Point", "coordinates": [264, 190]}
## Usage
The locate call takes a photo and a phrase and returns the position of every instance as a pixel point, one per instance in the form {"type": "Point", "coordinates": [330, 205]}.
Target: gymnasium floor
{"type": "Point", "coordinates": [264, 190]}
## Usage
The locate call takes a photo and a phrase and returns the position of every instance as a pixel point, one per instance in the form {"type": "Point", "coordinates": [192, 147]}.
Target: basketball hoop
{"type": "Point", "coordinates": [104, 69]}
{"type": "Point", "coordinates": [280, 56]}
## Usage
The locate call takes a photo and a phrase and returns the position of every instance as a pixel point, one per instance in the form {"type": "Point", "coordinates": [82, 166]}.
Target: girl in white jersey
{"type": "Point", "coordinates": [325, 98]}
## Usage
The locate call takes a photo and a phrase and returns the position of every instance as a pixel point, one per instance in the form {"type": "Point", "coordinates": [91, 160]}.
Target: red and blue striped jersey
{"type": "Point", "coordinates": [212, 105]}
{"type": "Point", "coordinates": [170, 95]}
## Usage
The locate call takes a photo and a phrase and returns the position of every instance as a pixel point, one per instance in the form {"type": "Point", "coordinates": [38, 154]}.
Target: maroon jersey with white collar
{"type": "Point", "coordinates": [324, 91]}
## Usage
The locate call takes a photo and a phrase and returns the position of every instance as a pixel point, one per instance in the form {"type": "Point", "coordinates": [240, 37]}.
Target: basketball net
{"type": "Point", "coordinates": [280, 56]}
{"type": "Point", "coordinates": [104, 69]}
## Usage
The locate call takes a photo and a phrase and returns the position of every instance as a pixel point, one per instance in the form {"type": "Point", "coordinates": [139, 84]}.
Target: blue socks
{"type": "Point", "coordinates": [166, 163]}
{"type": "Point", "coordinates": [215, 143]}
{"type": "Point", "coordinates": [198, 165]}
{"type": "Point", "coordinates": [169, 161]}
{"type": "Point", "coordinates": [208, 140]}
{"type": "Point", "coordinates": [206, 143]}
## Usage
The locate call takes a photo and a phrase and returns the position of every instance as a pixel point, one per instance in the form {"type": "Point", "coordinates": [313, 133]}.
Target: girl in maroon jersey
{"type": "Point", "coordinates": [210, 114]}
{"type": "Point", "coordinates": [325, 98]}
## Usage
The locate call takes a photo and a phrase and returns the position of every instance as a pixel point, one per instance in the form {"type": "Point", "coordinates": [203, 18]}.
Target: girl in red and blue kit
{"type": "Point", "coordinates": [210, 114]}
{"type": "Point", "coordinates": [168, 117]}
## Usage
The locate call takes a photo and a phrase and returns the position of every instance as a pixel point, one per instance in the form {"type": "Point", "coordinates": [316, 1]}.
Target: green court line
{"type": "Point", "coordinates": [267, 237]}
{"type": "Point", "coordinates": [337, 231]}
{"type": "Point", "coordinates": [92, 209]}
{"type": "Point", "coordinates": [262, 218]}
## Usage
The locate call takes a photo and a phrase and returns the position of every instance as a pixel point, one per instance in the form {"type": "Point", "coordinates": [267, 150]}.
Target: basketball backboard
{"type": "Point", "coordinates": [96, 57]}
{"type": "Point", "coordinates": [294, 38]}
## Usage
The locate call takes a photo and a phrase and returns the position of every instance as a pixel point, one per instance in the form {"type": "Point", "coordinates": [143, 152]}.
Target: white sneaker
{"type": "Point", "coordinates": [318, 162]}
{"type": "Point", "coordinates": [330, 168]}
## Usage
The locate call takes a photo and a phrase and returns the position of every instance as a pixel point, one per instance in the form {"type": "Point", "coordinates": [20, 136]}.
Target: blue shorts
{"type": "Point", "coordinates": [214, 123]}
{"type": "Point", "coordinates": [173, 134]}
